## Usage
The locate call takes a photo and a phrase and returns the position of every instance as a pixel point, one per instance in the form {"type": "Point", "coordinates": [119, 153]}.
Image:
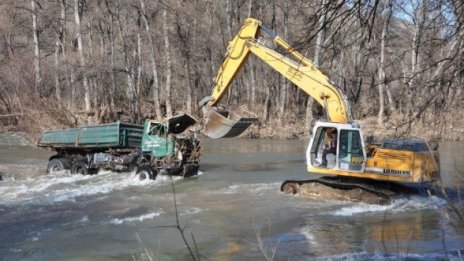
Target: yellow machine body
{"type": "Point", "coordinates": [408, 161]}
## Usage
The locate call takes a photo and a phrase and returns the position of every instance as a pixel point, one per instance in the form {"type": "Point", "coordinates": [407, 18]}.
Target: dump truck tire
{"type": "Point", "coordinates": [79, 167]}
{"type": "Point", "coordinates": [146, 172]}
{"type": "Point", "coordinates": [57, 164]}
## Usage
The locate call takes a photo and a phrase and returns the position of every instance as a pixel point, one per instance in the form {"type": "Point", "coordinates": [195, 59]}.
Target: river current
{"type": "Point", "coordinates": [233, 210]}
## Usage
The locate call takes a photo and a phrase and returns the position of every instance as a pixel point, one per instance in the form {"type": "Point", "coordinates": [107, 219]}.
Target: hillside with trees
{"type": "Point", "coordinates": [71, 62]}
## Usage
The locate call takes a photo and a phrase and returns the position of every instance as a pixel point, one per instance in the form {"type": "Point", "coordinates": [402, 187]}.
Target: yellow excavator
{"type": "Point", "coordinates": [337, 148]}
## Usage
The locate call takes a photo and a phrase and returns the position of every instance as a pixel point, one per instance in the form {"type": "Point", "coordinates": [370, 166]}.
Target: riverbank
{"type": "Point", "coordinates": [447, 128]}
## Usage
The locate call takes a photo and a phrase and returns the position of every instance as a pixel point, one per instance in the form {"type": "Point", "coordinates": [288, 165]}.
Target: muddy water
{"type": "Point", "coordinates": [234, 201]}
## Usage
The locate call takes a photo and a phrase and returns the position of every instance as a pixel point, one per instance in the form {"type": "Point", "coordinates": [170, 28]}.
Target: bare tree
{"type": "Point", "coordinates": [284, 82]}
{"type": "Point", "coordinates": [397, 58]}
{"type": "Point", "coordinates": [155, 84]}
{"type": "Point", "coordinates": [317, 56]}
{"type": "Point", "coordinates": [381, 73]}
{"type": "Point", "coordinates": [251, 66]}
{"type": "Point", "coordinates": [35, 33]}
{"type": "Point", "coordinates": [112, 58]}
{"type": "Point", "coordinates": [80, 48]}
{"type": "Point", "coordinates": [168, 64]}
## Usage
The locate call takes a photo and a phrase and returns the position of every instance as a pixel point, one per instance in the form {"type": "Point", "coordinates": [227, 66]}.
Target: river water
{"type": "Point", "coordinates": [233, 209]}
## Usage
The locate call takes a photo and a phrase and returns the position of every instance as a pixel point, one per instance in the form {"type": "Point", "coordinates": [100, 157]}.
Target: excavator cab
{"type": "Point", "coordinates": [336, 146]}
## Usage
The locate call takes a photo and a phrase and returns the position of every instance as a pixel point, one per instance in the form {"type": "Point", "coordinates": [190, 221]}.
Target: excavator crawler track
{"type": "Point", "coordinates": [384, 191]}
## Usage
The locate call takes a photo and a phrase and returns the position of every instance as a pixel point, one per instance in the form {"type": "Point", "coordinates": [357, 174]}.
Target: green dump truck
{"type": "Point", "coordinates": [150, 149]}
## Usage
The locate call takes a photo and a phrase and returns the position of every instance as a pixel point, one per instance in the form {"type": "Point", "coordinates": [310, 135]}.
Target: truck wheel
{"type": "Point", "coordinates": [57, 164]}
{"type": "Point", "coordinates": [146, 172]}
{"type": "Point", "coordinates": [79, 167]}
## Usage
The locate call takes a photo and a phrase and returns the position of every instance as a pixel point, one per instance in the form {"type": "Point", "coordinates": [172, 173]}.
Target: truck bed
{"type": "Point", "coordinates": [101, 136]}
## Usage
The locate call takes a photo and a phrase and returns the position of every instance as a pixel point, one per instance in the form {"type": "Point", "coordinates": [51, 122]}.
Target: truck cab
{"type": "Point", "coordinates": [168, 148]}
{"type": "Point", "coordinates": [155, 139]}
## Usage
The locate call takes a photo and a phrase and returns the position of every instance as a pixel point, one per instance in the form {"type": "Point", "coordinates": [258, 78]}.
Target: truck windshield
{"type": "Point", "coordinates": [157, 129]}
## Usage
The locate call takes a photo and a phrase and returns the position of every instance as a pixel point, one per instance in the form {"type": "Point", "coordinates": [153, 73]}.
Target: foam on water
{"type": "Point", "coordinates": [140, 218]}
{"type": "Point", "coordinates": [191, 211]}
{"type": "Point", "coordinates": [63, 186]}
{"type": "Point", "coordinates": [84, 219]}
{"type": "Point", "coordinates": [397, 205]}
{"type": "Point", "coordinates": [306, 231]}
{"type": "Point", "coordinates": [247, 188]}
{"type": "Point", "coordinates": [451, 255]}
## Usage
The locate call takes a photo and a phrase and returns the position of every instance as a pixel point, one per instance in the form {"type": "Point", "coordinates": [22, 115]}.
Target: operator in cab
{"type": "Point", "coordinates": [330, 146]}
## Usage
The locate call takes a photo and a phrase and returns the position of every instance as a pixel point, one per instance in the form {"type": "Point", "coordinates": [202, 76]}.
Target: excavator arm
{"type": "Point", "coordinates": [290, 63]}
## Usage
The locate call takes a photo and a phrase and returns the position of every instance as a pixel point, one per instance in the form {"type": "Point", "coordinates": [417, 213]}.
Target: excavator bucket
{"type": "Point", "coordinates": [225, 124]}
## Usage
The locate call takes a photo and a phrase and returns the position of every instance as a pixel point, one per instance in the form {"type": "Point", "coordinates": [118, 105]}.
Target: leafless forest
{"type": "Point", "coordinates": [70, 62]}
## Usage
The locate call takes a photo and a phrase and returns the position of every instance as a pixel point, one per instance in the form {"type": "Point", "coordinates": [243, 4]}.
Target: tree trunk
{"type": "Point", "coordinates": [112, 73]}
{"type": "Point", "coordinates": [381, 74]}
{"type": "Point", "coordinates": [63, 4]}
{"type": "Point", "coordinates": [412, 74]}
{"type": "Point", "coordinates": [230, 8]}
{"type": "Point", "coordinates": [383, 86]}
{"type": "Point", "coordinates": [138, 85]}
{"type": "Point", "coordinates": [93, 87]}
{"type": "Point", "coordinates": [35, 33]}
{"type": "Point", "coordinates": [9, 38]}
{"type": "Point", "coordinates": [412, 98]}
{"type": "Point", "coordinates": [81, 56]}
{"type": "Point", "coordinates": [192, 82]}
{"type": "Point", "coordinates": [128, 68]}
{"type": "Point", "coordinates": [252, 67]}
{"type": "Point", "coordinates": [284, 82]}
{"type": "Point", "coordinates": [59, 48]}
{"type": "Point", "coordinates": [155, 83]}
{"type": "Point", "coordinates": [72, 78]}
{"type": "Point", "coordinates": [168, 64]}
{"type": "Point", "coordinates": [57, 72]}
{"type": "Point", "coordinates": [230, 18]}
{"type": "Point", "coordinates": [317, 54]}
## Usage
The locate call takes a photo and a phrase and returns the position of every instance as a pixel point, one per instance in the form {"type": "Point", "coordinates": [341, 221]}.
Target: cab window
{"type": "Point", "coordinates": [157, 129]}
